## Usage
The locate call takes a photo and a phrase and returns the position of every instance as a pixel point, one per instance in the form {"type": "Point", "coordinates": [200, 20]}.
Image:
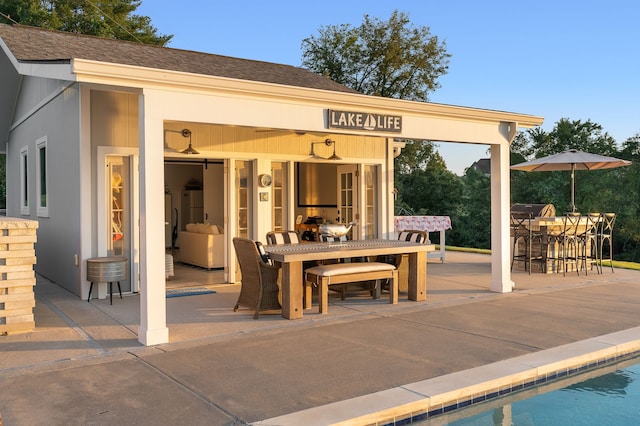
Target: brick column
{"type": "Point", "coordinates": [17, 276]}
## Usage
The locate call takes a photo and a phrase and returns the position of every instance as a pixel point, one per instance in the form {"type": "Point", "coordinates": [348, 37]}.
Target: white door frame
{"type": "Point", "coordinates": [104, 199]}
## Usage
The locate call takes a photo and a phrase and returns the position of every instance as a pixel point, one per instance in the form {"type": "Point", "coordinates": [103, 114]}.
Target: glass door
{"type": "Point", "coordinates": [118, 234]}
{"type": "Point", "coordinates": [279, 190]}
{"type": "Point", "coordinates": [119, 210]}
{"type": "Point", "coordinates": [243, 198]}
{"type": "Point", "coordinates": [348, 197]}
{"type": "Point", "coordinates": [369, 225]}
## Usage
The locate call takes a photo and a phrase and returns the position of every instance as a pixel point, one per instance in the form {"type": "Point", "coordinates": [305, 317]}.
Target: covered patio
{"type": "Point", "coordinates": [463, 279]}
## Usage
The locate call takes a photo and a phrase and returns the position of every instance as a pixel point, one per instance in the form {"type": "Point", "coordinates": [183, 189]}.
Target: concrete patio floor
{"type": "Point", "coordinates": [83, 364]}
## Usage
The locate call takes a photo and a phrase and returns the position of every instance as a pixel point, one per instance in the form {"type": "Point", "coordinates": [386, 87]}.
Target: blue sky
{"type": "Point", "coordinates": [556, 59]}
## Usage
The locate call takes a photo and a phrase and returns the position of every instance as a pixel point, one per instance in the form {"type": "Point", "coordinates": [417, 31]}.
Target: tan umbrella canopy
{"type": "Point", "coordinates": [571, 160]}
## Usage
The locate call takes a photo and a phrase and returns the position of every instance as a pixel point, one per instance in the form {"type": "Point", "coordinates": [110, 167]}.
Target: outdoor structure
{"type": "Point", "coordinates": [114, 146]}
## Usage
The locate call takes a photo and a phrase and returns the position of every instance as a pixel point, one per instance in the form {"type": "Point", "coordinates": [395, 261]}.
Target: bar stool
{"type": "Point", "coordinates": [522, 230]}
{"type": "Point", "coordinates": [605, 233]}
{"type": "Point", "coordinates": [587, 239]}
{"type": "Point", "coordinates": [568, 239]}
{"type": "Point", "coordinates": [106, 270]}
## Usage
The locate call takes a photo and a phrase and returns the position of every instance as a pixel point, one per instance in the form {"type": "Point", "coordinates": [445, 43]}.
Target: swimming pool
{"type": "Point", "coordinates": [608, 395]}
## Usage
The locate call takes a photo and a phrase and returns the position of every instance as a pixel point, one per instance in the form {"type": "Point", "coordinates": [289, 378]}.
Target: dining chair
{"type": "Point", "coordinates": [409, 235]}
{"type": "Point", "coordinates": [283, 237]}
{"type": "Point", "coordinates": [260, 287]}
{"type": "Point", "coordinates": [605, 234]}
{"type": "Point", "coordinates": [292, 237]}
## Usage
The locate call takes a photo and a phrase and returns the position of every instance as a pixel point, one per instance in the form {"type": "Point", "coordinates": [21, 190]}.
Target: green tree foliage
{"type": "Point", "coordinates": [103, 18]}
{"type": "Point", "coordinates": [472, 217]}
{"type": "Point", "coordinates": [392, 59]}
{"type": "Point", "coordinates": [613, 190]}
{"type": "Point", "coordinates": [417, 155]}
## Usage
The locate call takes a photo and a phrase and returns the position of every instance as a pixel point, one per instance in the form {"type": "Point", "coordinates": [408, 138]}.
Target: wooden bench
{"type": "Point", "coordinates": [344, 273]}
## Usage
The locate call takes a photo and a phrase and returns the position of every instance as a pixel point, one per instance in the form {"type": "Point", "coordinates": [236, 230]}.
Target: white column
{"type": "Point", "coordinates": [153, 303]}
{"type": "Point", "coordinates": [500, 207]}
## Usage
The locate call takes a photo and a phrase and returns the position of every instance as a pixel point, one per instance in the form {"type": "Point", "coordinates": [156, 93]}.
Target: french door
{"type": "Point", "coordinates": [348, 206]}
{"type": "Point", "coordinates": [118, 231]}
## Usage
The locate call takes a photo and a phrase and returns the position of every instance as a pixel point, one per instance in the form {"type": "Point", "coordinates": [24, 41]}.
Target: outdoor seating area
{"type": "Point", "coordinates": [573, 242]}
{"type": "Point", "coordinates": [283, 273]}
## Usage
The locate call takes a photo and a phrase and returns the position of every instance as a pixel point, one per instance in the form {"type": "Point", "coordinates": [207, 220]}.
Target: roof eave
{"type": "Point", "coordinates": [139, 77]}
{"type": "Point", "coordinates": [57, 70]}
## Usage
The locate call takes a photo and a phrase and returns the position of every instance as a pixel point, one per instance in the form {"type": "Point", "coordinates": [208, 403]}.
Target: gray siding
{"type": "Point", "coordinates": [58, 234]}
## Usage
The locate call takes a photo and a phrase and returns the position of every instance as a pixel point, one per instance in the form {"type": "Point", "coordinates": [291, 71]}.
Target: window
{"type": "Point", "coordinates": [42, 181]}
{"type": "Point", "coordinates": [24, 181]}
{"type": "Point", "coordinates": [279, 203]}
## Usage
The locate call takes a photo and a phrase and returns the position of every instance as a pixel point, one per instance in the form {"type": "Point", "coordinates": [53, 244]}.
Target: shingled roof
{"type": "Point", "coordinates": [36, 45]}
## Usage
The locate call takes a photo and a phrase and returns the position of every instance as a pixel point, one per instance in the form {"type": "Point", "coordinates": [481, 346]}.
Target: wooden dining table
{"type": "Point", "coordinates": [291, 256]}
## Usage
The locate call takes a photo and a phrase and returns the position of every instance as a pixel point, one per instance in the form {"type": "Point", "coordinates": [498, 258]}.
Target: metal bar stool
{"type": "Point", "coordinates": [570, 244]}
{"type": "Point", "coordinates": [587, 238]}
{"type": "Point", "coordinates": [605, 234]}
{"type": "Point", "coordinates": [522, 230]}
{"type": "Point", "coordinates": [106, 270]}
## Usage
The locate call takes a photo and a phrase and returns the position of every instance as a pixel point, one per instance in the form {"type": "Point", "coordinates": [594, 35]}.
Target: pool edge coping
{"type": "Point", "coordinates": [439, 395]}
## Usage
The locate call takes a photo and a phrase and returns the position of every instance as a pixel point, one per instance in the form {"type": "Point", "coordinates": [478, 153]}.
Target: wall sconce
{"type": "Point", "coordinates": [189, 150]}
{"type": "Point", "coordinates": [327, 142]}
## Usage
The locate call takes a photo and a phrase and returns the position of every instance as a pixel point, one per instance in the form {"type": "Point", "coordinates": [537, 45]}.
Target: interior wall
{"type": "Point", "coordinates": [177, 178]}
{"type": "Point", "coordinates": [316, 191]}
{"type": "Point", "coordinates": [180, 177]}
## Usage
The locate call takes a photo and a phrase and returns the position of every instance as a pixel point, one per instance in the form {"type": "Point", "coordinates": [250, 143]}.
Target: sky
{"type": "Point", "coordinates": [575, 59]}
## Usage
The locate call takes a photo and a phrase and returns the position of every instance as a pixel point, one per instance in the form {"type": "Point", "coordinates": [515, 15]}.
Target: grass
{"type": "Point", "coordinates": [616, 263]}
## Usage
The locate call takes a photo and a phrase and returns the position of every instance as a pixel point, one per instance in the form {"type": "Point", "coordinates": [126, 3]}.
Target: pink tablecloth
{"type": "Point", "coordinates": [422, 223]}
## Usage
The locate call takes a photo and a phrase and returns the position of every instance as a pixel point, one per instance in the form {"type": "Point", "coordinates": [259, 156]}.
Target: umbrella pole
{"type": "Point", "coordinates": [573, 188]}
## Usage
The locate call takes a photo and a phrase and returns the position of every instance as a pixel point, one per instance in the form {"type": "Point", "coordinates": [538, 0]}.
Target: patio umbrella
{"type": "Point", "coordinates": [571, 160]}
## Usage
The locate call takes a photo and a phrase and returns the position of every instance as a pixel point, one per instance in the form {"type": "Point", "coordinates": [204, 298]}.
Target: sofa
{"type": "Point", "coordinates": [202, 244]}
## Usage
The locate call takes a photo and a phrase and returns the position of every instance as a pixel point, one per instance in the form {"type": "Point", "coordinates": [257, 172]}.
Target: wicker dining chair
{"type": "Point", "coordinates": [260, 287]}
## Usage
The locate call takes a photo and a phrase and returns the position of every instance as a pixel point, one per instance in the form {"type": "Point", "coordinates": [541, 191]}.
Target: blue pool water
{"type": "Point", "coordinates": [609, 396]}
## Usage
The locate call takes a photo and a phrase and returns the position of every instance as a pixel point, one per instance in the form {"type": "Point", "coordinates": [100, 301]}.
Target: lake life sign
{"type": "Point", "coordinates": [364, 121]}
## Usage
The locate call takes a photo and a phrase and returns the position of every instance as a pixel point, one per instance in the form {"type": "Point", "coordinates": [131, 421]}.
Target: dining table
{"type": "Point", "coordinates": [291, 257]}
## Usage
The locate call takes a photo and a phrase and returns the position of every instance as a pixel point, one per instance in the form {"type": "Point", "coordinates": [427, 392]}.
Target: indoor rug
{"type": "Point", "coordinates": [195, 291]}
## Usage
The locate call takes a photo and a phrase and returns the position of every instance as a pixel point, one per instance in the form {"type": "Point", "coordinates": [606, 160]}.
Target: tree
{"type": "Point", "coordinates": [473, 215]}
{"type": "Point", "coordinates": [105, 18]}
{"type": "Point", "coordinates": [615, 190]}
{"type": "Point", "coordinates": [391, 58]}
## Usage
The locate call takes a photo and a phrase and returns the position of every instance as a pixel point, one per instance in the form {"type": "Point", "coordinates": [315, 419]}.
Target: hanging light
{"type": "Point", "coordinates": [189, 150]}
{"type": "Point", "coordinates": [327, 142]}
{"type": "Point", "coordinates": [334, 156]}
